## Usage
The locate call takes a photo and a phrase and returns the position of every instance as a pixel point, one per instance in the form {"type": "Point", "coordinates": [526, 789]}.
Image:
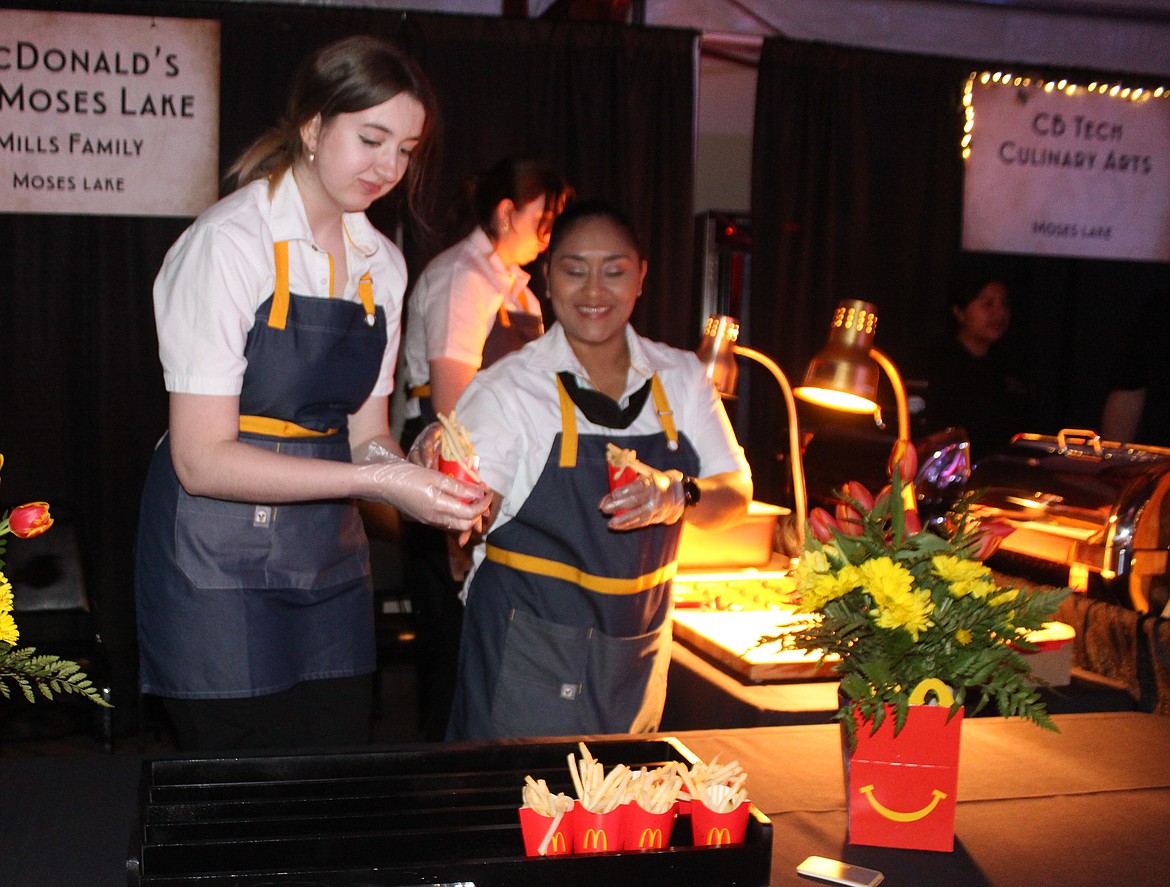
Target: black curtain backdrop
{"type": "Point", "coordinates": [81, 395]}
{"type": "Point", "coordinates": [857, 184]}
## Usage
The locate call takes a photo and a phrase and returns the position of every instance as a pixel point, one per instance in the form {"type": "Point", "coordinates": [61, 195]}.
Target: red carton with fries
{"type": "Point", "coordinates": [711, 828]}
{"type": "Point", "coordinates": [648, 831]}
{"type": "Point", "coordinates": [546, 835]}
{"type": "Point", "coordinates": [457, 457]}
{"type": "Point", "coordinates": [546, 820]}
{"type": "Point", "coordinates": [621, 466]}
{"type": "Point", "coordinates": [599, 832]}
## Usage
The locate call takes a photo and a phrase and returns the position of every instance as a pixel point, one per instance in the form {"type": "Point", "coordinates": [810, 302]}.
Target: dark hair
{"type": "Point", "coordinates": [592, 209]}
{"type": "Point", "coordinates": [346, 76]}
{"type": "Point", "coordinates": [521, 180]}
{"type": "Point", "coordinates": [970, 288]}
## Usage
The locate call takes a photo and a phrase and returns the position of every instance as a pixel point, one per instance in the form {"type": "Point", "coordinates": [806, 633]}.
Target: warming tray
{"type": "Point", "coordinates": [426, 815]}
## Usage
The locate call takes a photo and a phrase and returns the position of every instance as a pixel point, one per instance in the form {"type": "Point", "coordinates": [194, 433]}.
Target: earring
{"type": "Point", "coordinates": [312, 157]}
{"type": "Point", "coordinates": [504, 230]}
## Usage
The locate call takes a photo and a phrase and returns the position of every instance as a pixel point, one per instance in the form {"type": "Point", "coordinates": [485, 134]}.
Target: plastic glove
{"type": "Point", "coordinates": [425, 449]}
{"type": "Point", "coordinates": [425, 495]}
{"type": "Point", "coordinates": [653, 497]}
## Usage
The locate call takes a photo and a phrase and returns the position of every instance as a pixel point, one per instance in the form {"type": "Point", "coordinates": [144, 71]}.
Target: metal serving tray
{"type": "Point", "coordinates": [425, 815]}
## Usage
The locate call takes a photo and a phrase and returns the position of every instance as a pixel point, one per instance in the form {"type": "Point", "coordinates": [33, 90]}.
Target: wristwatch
{"type": "Point", "coordinates": [691, 492]}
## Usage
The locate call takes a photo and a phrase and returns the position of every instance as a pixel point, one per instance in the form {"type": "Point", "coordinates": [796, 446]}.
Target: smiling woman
{"type": "Point", "coordinates": [567, 628]}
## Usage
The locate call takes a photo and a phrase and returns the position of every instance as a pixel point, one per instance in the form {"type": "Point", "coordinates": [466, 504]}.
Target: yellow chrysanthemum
{"type": "Point", "coordinates": [810, 565]}
{"type": "Point", "coordinates": [980, 588]}
{"type": "Point", "coordinates": [884, 579]}
{"type": "Point", "coordinates": [1005, 597]}
{"type": "Point", "coordinates": [825, 587]}
{"type": "Point", "coordinates": [964, 636]}
{"type": "Point", "coordinates": [9, 634]}
{"type": "Point", "coordinates": [5, 593]}
{"type": "Point", "coordinates": [910, 610]}
{"type": "Point", "coordinates": [954, 570]}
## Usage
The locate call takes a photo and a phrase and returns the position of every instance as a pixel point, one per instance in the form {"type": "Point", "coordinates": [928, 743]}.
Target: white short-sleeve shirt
{"type": "Point", "coordinates": [512, 412]}
{"type": "Point", "coordinates": [455, 302]}
{"type": "Point", "coordinates": [222, 269]}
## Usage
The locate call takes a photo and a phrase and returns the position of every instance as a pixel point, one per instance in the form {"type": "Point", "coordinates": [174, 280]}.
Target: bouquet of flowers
{"type": "Point", "coordinates": [23, 667]}
{"type": "Point", "coordinates": [894, 604]}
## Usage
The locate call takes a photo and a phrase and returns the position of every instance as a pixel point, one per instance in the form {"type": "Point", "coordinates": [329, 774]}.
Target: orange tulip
{"type": "Point", "coordinates": [30, 519]}
{"type": "Point", "coordinates": [848, 519]}
{"type": "Point", "coordinates": [821, 524]}
{"type": "Point", "coordinates": [913, 522]}
{"type": "Point", "coordinates": [989, 537]}
{"type": "Point", "coordinates": [856, 490]}
{"type": "Point", "coordinates": [904, 460]}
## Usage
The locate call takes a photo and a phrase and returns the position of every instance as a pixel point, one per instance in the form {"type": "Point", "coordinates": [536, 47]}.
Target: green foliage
{"type": "Point", "coordinates": [32, 674]}
{"type": "Point", "coordinates": [893, 608]}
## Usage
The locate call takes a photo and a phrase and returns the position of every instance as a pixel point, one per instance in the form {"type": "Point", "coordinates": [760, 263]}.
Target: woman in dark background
{"type": "Point", "coordinates": [971, 382]}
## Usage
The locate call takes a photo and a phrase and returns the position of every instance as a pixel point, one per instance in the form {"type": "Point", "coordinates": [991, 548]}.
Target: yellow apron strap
{"type": "Point", "coordinates": [569, 421]}
{"type": "Point", "coordinates": [665, 414]}
{"type": "Point", "coordinates": [568, 427]}
{"type": "Point", "coordinates": [505, 320]}
{"type": "Point", "coordinates": [366, 294]}
{"type": "Point", "coordinates": [278, 316]}
{"type": "Point", "coordinates": [279, 427]}
{"type": "Point", "coordinates": [540, 566]}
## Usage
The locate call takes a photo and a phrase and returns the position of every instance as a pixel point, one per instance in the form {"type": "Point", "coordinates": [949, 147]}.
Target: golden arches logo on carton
{"type": "Point", "coordinates": [651, 839]}
{"type": "Point", "coordinates": [717, 836]}
{"type": "Point", "coordinates": [595, 839]}
{"type": "Point", "coordinates": [557, 844]}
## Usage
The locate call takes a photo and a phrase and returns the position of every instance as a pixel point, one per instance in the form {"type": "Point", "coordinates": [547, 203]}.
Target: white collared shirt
{"type": "Point", "coordinates": [221, 269]}
{"type": "Point", "coordinates": [512, 412]}
{"type": "Point", "coordinates": [455, 302]}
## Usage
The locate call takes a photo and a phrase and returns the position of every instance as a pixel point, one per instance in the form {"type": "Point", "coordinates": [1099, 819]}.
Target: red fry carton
{"type": "Point", "coordinates": [648, 831]}
{"type": "Point", "coordinates": [599, 832]}
{"type": "Point", "coordinates": [711, 829]}
{"type": "Point", "coordinates": [535, 828]}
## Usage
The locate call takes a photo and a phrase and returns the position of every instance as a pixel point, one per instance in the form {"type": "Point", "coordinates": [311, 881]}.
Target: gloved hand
{"type": "Point", "coordinates": [653, 497]}
{"type": "Point", "coordinates": [424, 495]}
{"type": "Point", "coordinates": [426, 447]}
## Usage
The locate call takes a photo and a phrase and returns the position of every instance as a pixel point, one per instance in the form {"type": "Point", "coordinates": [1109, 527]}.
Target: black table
{"type": "Point", "coordinates": [1087, 806]}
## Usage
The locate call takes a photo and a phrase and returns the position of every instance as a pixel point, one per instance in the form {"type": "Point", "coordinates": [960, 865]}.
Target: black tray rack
{"type": "Point", "coordinates": [442, 815]}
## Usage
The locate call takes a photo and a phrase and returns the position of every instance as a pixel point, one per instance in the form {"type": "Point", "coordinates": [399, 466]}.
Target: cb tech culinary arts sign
{"type": "Point", "coordinates": [1069, 171]}
{"type": "Point", "coordinates": [108, 115]}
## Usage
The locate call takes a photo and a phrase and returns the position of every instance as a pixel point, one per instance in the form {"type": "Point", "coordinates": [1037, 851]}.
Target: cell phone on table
{"type": "Point", "coordinates": [837, 872]}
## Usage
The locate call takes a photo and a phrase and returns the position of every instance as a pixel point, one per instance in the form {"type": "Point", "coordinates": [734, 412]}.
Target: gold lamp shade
{"type": "Point", "coordinates": [717, 353]}
{"type": "Point", "coordinates": [844, 374]}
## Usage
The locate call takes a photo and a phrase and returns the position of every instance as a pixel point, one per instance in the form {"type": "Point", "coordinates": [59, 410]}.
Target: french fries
{"type": "Point", "coordinates": [454, 443]}
{"type": "Point", "coordinates": [719, 788]}
{"type": "Point", "coordinates": [597, 791]}
{"type": "Point", "coordinates": [657, 790]}
{"type": "Point", "coordinates": [619, 458]}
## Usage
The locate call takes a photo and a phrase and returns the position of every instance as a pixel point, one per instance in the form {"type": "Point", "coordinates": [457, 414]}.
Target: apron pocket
{"type": "Point", "coordinates": [221, 544]}
{"type": "Point", "coordinates": [626, 680]}
{"type": "Point", "coordinates": [560, 680]}
{"type": "Point", "coordinates": [540, 686]}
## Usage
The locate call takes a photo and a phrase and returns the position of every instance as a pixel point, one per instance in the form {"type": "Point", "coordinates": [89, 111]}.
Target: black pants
{"type": "Point", "coordinates": [313, 714]}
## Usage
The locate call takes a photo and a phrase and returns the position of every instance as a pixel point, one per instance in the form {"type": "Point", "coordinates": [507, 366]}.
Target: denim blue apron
{"type": "Point", "coordinates": [567, 629]}
{"type": "Point", "coordinates": [241, 599]}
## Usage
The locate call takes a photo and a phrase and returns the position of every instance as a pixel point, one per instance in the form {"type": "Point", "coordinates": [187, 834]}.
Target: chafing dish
{"type": "Point", "coordinates": [1088, 512]}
